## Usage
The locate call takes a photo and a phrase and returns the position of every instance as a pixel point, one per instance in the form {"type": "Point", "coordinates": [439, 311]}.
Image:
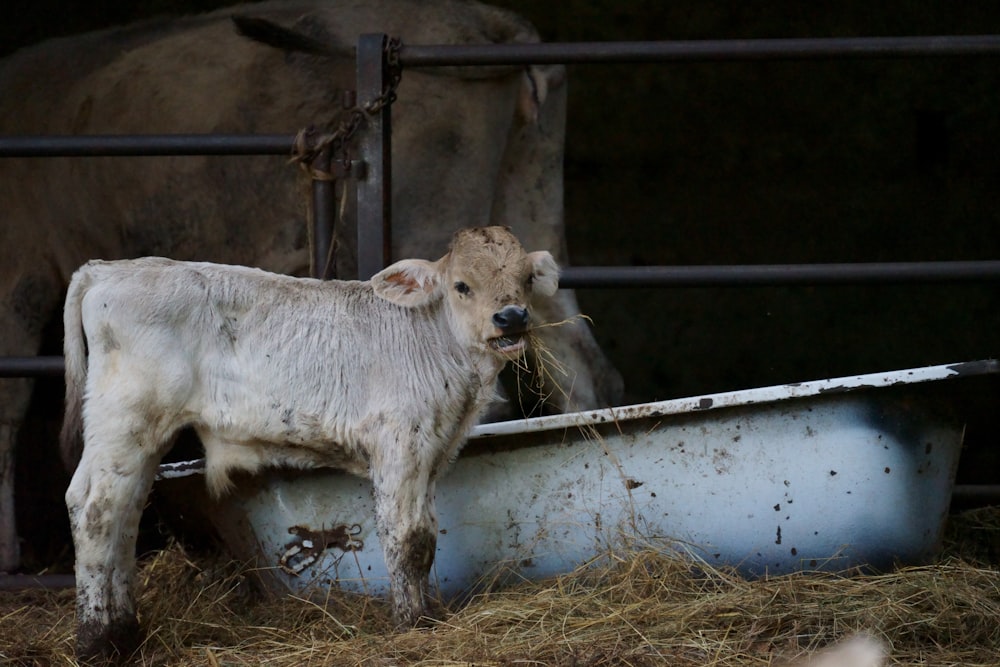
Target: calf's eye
{"type": "Point", "coordinates": [461, 288]}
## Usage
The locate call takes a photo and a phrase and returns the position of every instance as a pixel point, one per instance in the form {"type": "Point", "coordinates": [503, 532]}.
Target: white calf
{"type": "Point", "coordinates": [381, 378]}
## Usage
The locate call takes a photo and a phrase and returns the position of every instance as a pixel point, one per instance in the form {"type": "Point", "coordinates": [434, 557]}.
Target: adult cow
{"type": "Point", "coordinates": [470, 147]}
{"type": "Point", "coordinates": [382, 378]}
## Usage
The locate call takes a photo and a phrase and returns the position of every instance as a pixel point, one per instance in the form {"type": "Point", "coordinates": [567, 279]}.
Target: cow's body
{"type": "Point", "coordinates": [381, 378]}
{"type": "Point", "coordinates": [470, 147]}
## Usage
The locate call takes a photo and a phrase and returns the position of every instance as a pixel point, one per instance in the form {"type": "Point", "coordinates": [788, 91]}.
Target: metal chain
{"type": "Point", "coordinates": [395, 72]}
{"type": "Point", "coordinates": [309, 143]}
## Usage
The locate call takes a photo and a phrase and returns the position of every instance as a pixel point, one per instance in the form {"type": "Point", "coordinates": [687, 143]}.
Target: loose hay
{"type": "Point", "coordinates": [636, 606]}
{"type": "Point", "coordinates": [541, 376]}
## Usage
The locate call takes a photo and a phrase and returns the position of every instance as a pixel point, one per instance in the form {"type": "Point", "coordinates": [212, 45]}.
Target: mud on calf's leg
{"type": "Point", "coordinates": [106, 625]}
{"type": "Point", "coordinates": [416, 557]}
{"type": "Point", "coordinates": [106, 642]}
{"type": "Point", "coordinates": [105, 500]}
{"type": "Point", "coordinates": [407, 529]}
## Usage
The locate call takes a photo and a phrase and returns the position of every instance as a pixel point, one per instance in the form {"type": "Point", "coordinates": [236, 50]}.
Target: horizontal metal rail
{"type": "Point", "coordinates": [700, 50]}
{"type": "Point", "coordinates": [27, 582]}
{"type": "Point", "coordinates": [749, 275]}
{"type": "Point", "coordinates": [41, 366]}
{"type": "Point", "coordinates": [147, 144]}
{"type": "Point", "coordinates": [688, 276]}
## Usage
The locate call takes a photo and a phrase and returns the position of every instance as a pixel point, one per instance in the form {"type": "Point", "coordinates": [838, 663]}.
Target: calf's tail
{"type": "Point", "coordinates": [75, 352]}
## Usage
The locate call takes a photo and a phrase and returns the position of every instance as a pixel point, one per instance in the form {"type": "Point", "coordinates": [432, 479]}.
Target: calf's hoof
{"type": "Point", "coordinates": [111, 644]}
{"type": "Point", "coordinates": [409, 618]}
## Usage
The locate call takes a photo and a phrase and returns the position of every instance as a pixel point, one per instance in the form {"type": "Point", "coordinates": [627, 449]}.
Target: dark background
{"type": "Point", "coordinates": [790, 162]}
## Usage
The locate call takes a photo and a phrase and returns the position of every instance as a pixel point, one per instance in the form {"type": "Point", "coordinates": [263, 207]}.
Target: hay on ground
{"type": "Point", "coordinates": [637, 606]}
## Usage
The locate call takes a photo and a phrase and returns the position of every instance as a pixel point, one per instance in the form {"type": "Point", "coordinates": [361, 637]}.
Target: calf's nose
{"type": "Point", "coordinates": [510, 318]}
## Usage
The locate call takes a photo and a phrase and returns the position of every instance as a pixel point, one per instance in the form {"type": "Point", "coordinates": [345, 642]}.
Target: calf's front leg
{"type": "Point", "coordinates": [407, 528]}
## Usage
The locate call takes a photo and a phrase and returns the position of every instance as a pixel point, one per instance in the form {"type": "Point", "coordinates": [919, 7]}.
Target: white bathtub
{"type": "Point", "coordinates": [830, 474]}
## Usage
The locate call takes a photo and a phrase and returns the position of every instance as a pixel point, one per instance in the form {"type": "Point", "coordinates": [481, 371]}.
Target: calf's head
{"type": "Point", "coordinates": [487, 280]}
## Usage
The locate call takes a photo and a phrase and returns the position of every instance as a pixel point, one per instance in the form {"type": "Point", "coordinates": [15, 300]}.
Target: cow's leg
{"type": "Point", "coordinates": [105, 501]}
{"type": "Point", "coordinates": [27, 301]}
{"type": "Point", "coordinates": [16, 394]}
{"type": "Point", "coordinates": [574, 373]}
{"type": "Point", "coordinates": [407, 527]}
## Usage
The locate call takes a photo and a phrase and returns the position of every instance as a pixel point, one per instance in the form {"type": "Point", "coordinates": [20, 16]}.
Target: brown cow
{"type": "Point", "coordinates": [470, 147]}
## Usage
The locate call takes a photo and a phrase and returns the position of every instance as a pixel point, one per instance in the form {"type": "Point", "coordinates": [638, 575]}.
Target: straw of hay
{"type": "Point", "coordinates": [638, 605]}
{"type": "Point", "coordinates": [542, 371]}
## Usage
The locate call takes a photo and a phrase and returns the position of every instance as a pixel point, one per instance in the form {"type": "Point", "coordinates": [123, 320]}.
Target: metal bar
{"type": "Point", "coordinates": [777, 274]}
{"type": "Point", "coordinates": [700, 50]}
{"type": "Point", "coordinates": [690, 276]}
{"type": "Point", "coordinates": [323, 211]}
{"type": "Point", "coordinates": [14, 367]}
{"type": "Point", "coordinates": [375, 187]}
{"type": "Point", "coordinates": [24, 582]}
{"type": "Point", "coordinates": [141, 145]}
{"type": "Point", "coordinates": [975, 495]}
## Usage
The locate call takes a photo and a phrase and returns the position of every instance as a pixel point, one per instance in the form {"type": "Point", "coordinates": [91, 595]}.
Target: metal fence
{"type": "Point", "coordinates": [374, 150]}
{"type": "Point", "coordinates": [374, 176]}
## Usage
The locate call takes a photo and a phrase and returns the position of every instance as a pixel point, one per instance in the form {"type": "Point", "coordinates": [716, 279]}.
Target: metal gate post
{"type": "Point", "coordinates": [323, 207]}
{"type": "Point", "coordinates": [375, 183]}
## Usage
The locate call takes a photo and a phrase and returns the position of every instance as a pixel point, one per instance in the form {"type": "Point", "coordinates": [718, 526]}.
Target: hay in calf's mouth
{"type": "Point", "coordinates": [633, 606]}
{"type": "Point", "coordinates": [541, 375]}
{"type": "Point", "coordinates": [510, 344]}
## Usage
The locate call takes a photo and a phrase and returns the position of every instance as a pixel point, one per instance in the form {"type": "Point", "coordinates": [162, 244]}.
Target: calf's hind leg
{"type": "Point", "coordinates": [105, 500]}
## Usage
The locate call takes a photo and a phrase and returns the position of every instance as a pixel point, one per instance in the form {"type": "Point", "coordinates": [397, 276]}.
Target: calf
{"type": "Point", "coordinates": [382, 378]}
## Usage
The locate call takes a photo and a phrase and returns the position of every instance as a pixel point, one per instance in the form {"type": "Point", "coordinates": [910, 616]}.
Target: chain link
{"type": "Point", "coordinates": [395, 74]}
{"type": "Point", "coordinates": [309, 143]}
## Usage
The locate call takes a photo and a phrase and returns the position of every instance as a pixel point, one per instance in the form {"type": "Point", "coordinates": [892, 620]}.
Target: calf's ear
{"type": "Point", "coordinates": [409, 282]}
{"type": "Point", "coordinates": [545, 272]}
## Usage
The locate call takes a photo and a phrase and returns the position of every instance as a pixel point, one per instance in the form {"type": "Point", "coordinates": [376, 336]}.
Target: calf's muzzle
{"type": "Point", "coordinates": [511, 319]}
